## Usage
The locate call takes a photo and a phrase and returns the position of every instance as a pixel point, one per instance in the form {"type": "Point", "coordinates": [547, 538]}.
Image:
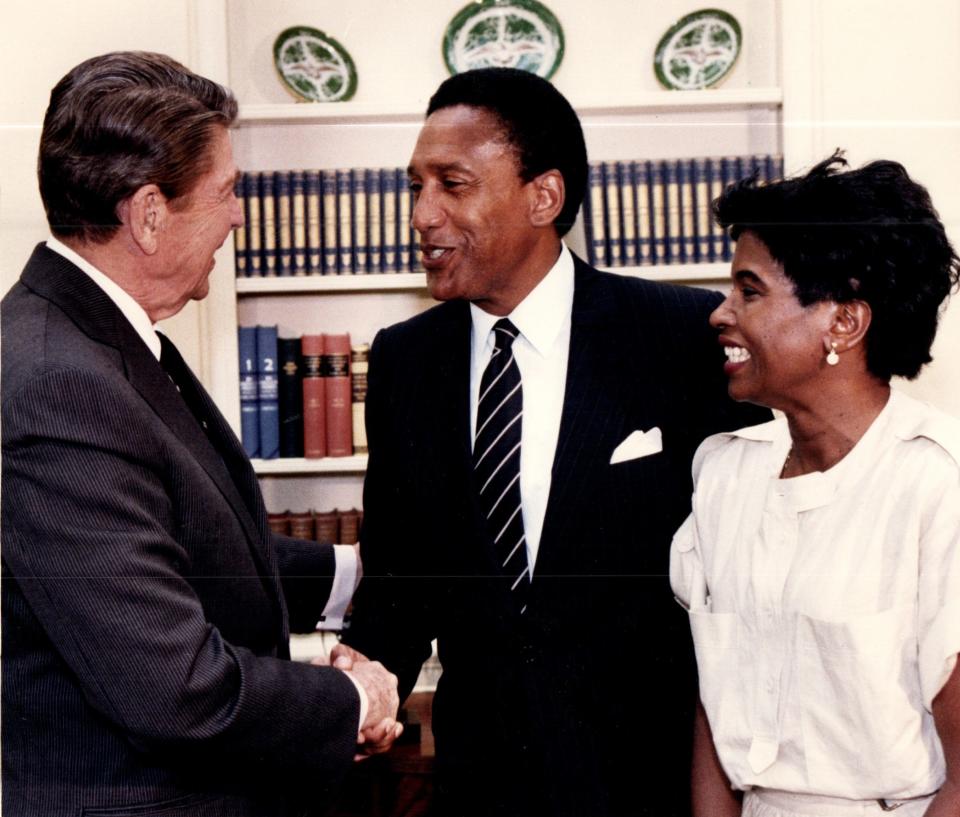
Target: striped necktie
{"type": "Point", "coordinates": [496, 459]}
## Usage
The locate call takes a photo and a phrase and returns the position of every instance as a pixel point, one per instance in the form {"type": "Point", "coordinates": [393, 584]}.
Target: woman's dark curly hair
{"type": "Point", "coordinates": [869, 234]}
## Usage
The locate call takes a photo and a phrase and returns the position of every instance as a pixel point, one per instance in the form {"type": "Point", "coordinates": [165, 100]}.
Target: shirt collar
{"type": "Point", "coordinates": [541, 315]}
{"type": "Point", "coordinates": [131, 310]}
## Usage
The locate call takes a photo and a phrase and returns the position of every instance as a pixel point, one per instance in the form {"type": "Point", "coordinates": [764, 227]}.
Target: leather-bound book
{"type": "Point", "coordinates": [349, 527]}
{"type": "Point", "coordinates": [302, 525]}
{"type": "Point", "coordinates": [314, 398]}
{"type": "Point", "coordinates": [279, 522]}
{"type": "Point", "coordinates": [336, 384]}
{"type": "Point", "coordinates": [328, 528]}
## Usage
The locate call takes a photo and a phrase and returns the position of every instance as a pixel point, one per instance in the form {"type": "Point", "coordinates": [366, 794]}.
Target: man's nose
{"type": "Point", "coordinates": [427, 211]}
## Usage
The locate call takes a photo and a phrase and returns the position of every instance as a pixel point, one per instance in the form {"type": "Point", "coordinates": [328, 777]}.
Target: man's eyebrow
{"type": "Point", "coordinates": [446, 167]}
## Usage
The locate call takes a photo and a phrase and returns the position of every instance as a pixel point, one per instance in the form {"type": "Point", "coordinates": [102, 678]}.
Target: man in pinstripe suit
{"type": "Point", "coordinates": [146, 605]}
{"type": "Point", "coordinates": [568, 684]}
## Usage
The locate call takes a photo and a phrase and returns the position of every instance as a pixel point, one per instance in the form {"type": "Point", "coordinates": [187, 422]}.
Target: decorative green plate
{"type": "Point", "coordinates": [314, 66]}
{"type": "Point", "coordinates": [504, 33]}
{"type": "Point", "coordinates": [698, 50]}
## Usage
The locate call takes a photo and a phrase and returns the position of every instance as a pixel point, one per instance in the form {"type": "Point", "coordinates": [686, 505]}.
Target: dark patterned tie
{"type": "Point", "coordinates": [496, 459]}
{"type": "Point", "coordinates": [176, 368]}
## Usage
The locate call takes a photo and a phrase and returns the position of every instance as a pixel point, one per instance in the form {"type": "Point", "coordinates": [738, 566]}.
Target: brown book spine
{"type": "Point", "coordinates": [349, 527]}
{"type": "Point", "coordinates": [336, 382]}
{"type": "Point", "coordinates": [279, 522]}
{"type": "Point", "coordinates": [314, 398]}
{"type": "Point", "coordinates": [359, 363]}
{"type": "Point", "coordinates": [328, 528]}
{"type": "Point", "coordinates": [302, 525]}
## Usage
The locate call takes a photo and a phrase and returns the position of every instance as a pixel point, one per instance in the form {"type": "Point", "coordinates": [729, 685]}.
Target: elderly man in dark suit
{"type": "Point", "coordinates": [530, 446]}
{"type": "Point", "coordinates": [146, 605]}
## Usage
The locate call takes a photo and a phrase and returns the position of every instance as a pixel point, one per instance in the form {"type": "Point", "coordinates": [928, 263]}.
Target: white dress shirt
{"type": "Point", "coordinates": [541, 350]}
{"type": "Point", "coordinates": [825, 609]}
{"type": "Point", "coordinates": [346, 575]}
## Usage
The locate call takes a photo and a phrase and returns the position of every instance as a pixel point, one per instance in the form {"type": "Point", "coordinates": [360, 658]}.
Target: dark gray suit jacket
{"type": "Point", "coordinates": [146, 606]}
{"type": "Point", "coordinates": [582, 706]}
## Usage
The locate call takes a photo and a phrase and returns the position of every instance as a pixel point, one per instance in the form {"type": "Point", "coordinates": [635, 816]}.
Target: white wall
{"type": "Point", "coordinates": [878, 78]}
{"type": "Point", "coordinates": [40, 40]}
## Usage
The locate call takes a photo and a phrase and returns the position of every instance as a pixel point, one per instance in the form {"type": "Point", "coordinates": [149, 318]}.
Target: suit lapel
{"type": "Point", "coordinates": [53, 277]}
{"type": "Point", "coordinates": [453, 379]}
{"type": "Point", "coordinates": [216, 453]}
{"type": "Point", "coordinates": [591, 422]}
{"type": "Point", "coordinates": [448, 384]}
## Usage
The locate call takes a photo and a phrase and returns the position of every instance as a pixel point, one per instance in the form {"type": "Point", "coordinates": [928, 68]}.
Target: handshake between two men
{"type": "Point", "coordinates": [379, 727]}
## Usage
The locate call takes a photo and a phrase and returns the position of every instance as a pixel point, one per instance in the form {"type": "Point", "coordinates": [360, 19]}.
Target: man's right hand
{"type": "Point", "coordinates": [380, 728]}
{"type": "Point", "coordinates": [381, 688]}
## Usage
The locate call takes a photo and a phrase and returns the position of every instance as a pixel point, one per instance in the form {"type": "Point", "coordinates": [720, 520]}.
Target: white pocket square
{"type": "Point", "coordinates": [638, 444]}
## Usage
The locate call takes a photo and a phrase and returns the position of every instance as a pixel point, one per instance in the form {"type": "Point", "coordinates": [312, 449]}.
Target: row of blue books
{"type": "Point", "coordinates": [259, 391]}
{"type": "Point", "coordinates": [325, 222]}
{"type": "Point", "coordinates": [659, 212]}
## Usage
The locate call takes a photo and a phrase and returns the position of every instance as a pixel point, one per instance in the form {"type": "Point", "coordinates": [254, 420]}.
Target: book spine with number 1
{"type": "Point", "coordinates": [249, 413]}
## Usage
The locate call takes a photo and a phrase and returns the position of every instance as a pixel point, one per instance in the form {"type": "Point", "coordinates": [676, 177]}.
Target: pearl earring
{"type": "Point", "coordinates": [832, 357]}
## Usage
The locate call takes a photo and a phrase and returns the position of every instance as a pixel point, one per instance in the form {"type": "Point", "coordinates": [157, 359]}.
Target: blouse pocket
{"type": "Point", "coordinates": [861, 705]}
{"type": "Point", "coordinates": [715, 642]}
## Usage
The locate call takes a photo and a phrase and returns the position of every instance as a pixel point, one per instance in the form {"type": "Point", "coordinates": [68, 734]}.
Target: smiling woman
{"type": "Point", "coordinates": [823, 581]}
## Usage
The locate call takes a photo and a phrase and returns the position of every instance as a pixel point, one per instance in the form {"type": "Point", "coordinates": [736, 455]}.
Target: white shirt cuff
{"type": "Point", "coordinates": [364, 703]}
{"type": "Point", "coordinates": [345, 580]}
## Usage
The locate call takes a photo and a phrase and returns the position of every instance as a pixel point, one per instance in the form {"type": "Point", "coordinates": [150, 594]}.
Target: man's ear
{"type": "Point", "coordinates": [144, 214]}
{"type": "Point", "coordinates": [548, 197]}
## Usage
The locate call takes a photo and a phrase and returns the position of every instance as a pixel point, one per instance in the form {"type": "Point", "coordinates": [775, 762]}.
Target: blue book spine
{"type": "Point", "coordinates": [701, 208]}
{"type": "Point", "coordinates": [328, 194]}
{"type": "Point", "coordinates": [240, 236]}
{"type": "Point", "coordinates": [281, 186]}
{"type": "Point", "coordinates": [658, 213]}
{"type": "Point", "coordinates": [268, 395]}
{"type": "Point", "coordinates": [715, 186]}
{"type": "Point", "coordinates": [611, 193]}
{"type": "Point", "coordinates": [597, 230]}
{"type": "Point", "coordinates": [688, 217]}
{"type": "Point", "coordinates": [249, 413]}
{"type": "Point", "coordinates": [772, 168]}
{"type": "Point", "coordinates": [672, 205]}
{"type": "Point", "coordinates": [345, 223]}
{"type": "Point", "coordinates": [268, 210]}
{"type": "Point", "coordinates": [741, 167]}
{"type": "Point", "coordinates": [251, 194]}
{"type": "Point", "coordinates": [628, 211]}
{"type": "Point", "coordinates": [644, 225]}
{"type": "Point", "coordinates": [298, 220]}
{"type": "Point", "coordinates": [358, 196]}
{"type": "Point", "coordinates": [371, 184]}
{"type": "Point", "coordinates": [388, 186]}
{"type": "Point", "coordinates": [314, 223]}
{"type": "Point", "coordinates": [404, 198]}
{"type": "Point", "coordinates": [728, 175]}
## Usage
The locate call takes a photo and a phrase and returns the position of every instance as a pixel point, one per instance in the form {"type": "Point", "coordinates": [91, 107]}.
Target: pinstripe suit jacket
{"type": "Point", "coordinates": [145, 664]}
{"type": "Point", "coordinates": [583, 706]}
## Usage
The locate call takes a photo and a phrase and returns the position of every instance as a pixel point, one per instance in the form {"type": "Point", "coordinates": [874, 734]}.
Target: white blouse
{"type": "Point", "coordinates": [825, 609]}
